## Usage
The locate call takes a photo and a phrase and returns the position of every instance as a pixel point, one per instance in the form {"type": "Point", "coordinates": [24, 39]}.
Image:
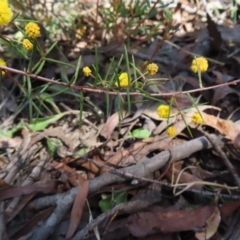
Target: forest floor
{"type": "Point", "coordinates": [122, 122]}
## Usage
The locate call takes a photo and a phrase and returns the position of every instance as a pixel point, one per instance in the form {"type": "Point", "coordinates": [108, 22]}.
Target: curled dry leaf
{"type": "Point", "coordinates": [111, 123]}
{"type": "Point", "coordinates": [230, 129]}
{"type": "Point", "coordinates": [211, 227]}
{"type": "Point", "coordinates": [68, 173]}
{"type": "Point", "coordinates": [122, 153]}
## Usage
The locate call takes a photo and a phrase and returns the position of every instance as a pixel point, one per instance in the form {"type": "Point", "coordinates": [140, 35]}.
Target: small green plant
{"type": "Point", "coordinates": [112, 200]}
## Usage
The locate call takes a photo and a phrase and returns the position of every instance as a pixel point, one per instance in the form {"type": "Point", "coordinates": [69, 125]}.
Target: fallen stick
{"type": "Point", "coordinates": [142, 169]}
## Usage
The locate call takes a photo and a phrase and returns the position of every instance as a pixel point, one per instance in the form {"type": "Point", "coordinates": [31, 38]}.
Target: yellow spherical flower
{"type": "Point", "coordinates": [197, 118]}
{"type": "Point", "coordinates": [2, 63]}
{"type": "Point", "coordinates": [32, 30]}
{"type": "Point", "coordinates": [5, 13]}
{"type": "Point", "coordinates": [152, 68]}
{"type": "Point", "coordinates": [27, 44]}
{"type": "Point", "coordinates": [123, 80]}
{"type": "Point", "coordinates": [163, 111]}
{"type": "Point", "coordinates": [80, 32]}
{"type": "Point", "coordinates": [171, 131]}
{"type": "Point", "coordinates": [200, 63]}
{"type": "Point", "coordinates": [87, 71]}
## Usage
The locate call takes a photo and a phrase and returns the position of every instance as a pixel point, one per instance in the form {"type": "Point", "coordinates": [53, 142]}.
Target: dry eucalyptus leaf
{"type": "Point", "coordinates": [230, 129]}
{"type": "Point", "coordinates": [212, 224]}
{"type": "Point", "coordinates": [111, 123]}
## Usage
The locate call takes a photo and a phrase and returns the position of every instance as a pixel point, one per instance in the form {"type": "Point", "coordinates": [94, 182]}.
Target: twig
{"type": "Point", "coordinates": [142, 169]}
{"type": "Point", "coordinates": [47, 228]}
{"type": "Point", "coordinates": [233, 231]}
{"type": "Point", "coordinates": [2, 223]}
{"type": "Point", "coordinates": [224, 157]}
{"type": "Point", "coordinates": [103, 90]}
{"type": "Point", "coordinates": [15, 206]}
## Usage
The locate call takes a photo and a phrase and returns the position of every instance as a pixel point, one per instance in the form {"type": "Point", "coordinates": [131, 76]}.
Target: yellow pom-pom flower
{"type": "Point", "coordinates": [152, 68]}
{"type": "Point", "coordinates": [5, 13]}
{"type": "Point", "coordinates": [80, 32]}
{"type": "Point", "coordinates": [87, 71]}
{"type": "Point", "coordinates": [27, 44]}
{"type": "Point", "coordinates": [32, 30]}
{"type": "Point", "coordinates": [200, 63]}
{"type": "Point", "coordinates": [197, 118]}
{"type": "Point", "coordinates": [163, 111]}
{"type": "Point", "coordinates": [123, 80]}
{"type": "Point", "coordinates": [2, 63]}
{"type": "Point", "coordinates": [171, 131]}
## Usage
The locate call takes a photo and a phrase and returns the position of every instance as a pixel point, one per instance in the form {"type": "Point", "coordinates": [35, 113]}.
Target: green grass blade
{"type": "Point", "coordinates": [75, 76]}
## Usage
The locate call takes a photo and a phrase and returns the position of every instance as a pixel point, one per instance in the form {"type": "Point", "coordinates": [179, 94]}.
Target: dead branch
{"type": "Point", "coordinates": [142, 169]}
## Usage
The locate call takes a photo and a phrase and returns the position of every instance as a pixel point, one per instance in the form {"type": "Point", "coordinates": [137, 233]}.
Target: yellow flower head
{"type": "Point", "coordinates": [152, 68]}
{"type": "Point", "coordinates": [163, 111]}
{"type": "Point", "coordinates": [27, 44]}
{"type": "Point", "coordinates": [2, 63]}
{"type": "Point", "coordinates": [87, 71]}
{"type": "Point", "coordinates": [5, 13]}
{"type": "Point", "coordinates": [200, 63]}
{"type": "Point", "coordinates": [80, 32]}
{"type": "Point", "coordinates": [171, 131]}
{"type": "Point", "coordinates": [32, 30]}
{"type": "Point", "coordinates": [123, 80]}
{"type": "Point", "coordinates": [197, 118]}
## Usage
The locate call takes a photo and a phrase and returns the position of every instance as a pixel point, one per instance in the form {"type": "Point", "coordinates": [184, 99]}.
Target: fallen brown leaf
{"type": "Point", "coordinates": [111, 123]}
{"type": "Point", "coordinates": [141, 224]}
{"type": "Point", "coordinates": [77, 209]}
{"type": "Point", "coordinates": [211, 227]}
{"type": "Point", "coordinates": [23, 202]}
{"type": "Point", "coordinates": [230, 129]}
{"type": "Point", "coordinates": [32, 223]}
{"type": "Point", "coordinates": [68, 173]}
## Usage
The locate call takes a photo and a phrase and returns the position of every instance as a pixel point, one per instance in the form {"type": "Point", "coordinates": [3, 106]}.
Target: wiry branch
{"type": "Point", "coordinates": [113, 90]}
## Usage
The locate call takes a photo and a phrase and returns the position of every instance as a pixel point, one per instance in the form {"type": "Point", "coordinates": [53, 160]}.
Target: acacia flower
{"type": "Point", "coordinates": [27, 44]}
{"type": "Point", "coordinates": [152, 68]}
{"type": "Point", "coordinates": [197, 118]}
{"type": "Point", "coordinates": [171, 131]}
{"type": "Point", "coordinates": [123, 80]}
{"type": "Point", "coordinates": [32, 30]}
{"type": "Point", "coordinates": [163, 111]}
{"type": "Point", "coordinates": [87, 71]}
{"type": "Point", "coordinates": [5, 13]}
{"type": "Point", "coordinates": [80, 32]}
{"type": "Point", "coordinates": [2, 63]}
{"type": "Point", "coordinates": [200, 63]}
